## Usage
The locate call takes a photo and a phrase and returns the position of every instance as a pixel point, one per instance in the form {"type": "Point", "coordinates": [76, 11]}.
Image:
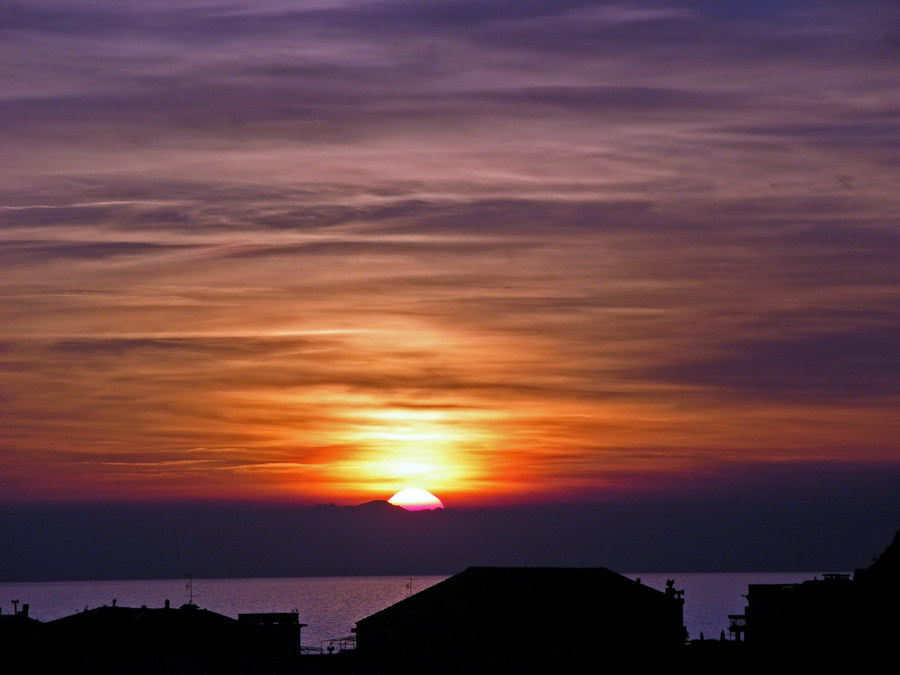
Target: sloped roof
{"type": "Point", "coordinates": [522, 592]}
{"type": "Point", "coordinates": [188, 625]}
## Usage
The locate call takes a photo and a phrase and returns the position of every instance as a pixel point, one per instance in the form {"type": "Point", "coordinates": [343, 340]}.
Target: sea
{"type": "Point", "coordinates": [330, 606]}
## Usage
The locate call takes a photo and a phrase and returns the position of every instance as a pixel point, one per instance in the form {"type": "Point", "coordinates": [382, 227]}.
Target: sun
{"type": "Point", "coordinates": [416, 499]}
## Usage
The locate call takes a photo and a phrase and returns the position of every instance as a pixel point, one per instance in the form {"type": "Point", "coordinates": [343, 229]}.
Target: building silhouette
{"type": "Point", "coordinates": [822, 620]}
{"type": "Point", "coordinates": [524, 619]}
{"type": "Point", "coordinates": [112, 640]}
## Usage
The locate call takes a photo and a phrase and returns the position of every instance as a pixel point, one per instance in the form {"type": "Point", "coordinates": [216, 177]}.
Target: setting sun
{"type": "Point", "coordinates": [416, 499]}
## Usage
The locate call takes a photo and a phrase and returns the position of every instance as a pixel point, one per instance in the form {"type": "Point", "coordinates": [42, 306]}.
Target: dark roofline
{"type": "Point", "coordinates": [577, 576]}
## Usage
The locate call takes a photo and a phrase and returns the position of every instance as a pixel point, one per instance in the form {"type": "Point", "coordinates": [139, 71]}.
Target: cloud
{"type": "Point", "coordinates": [839, 365]}
{"type": "Point", "coordinates": [24, 252]}
{"type": "Point", "coordinates": [603, 239]}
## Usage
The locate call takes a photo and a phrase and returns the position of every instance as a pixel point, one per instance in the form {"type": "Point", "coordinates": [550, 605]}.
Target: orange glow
{"type": "Point", "coordinates": [279, 286]}
{"type": "Point", "coordinates": [411, 445]}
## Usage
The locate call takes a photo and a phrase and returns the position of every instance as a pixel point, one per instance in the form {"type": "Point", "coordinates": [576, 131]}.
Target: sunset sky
{"type": "Point", "coordinates": [509, 252]}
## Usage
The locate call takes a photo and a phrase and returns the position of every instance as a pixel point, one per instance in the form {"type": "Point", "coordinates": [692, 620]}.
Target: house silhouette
{"type": "Point", "coordinates": [111, 640]}
{"type": "Point", "coordinates": [523, 619]}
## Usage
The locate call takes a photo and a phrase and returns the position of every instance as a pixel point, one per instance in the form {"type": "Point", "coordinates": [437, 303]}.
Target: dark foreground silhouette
{"type": "Point", "coordinates": [831, 619]}
{"type": "Point", "coordinates": [488, 620]}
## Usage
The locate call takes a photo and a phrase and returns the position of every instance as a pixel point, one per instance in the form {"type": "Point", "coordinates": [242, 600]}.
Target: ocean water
{"type": "Point", "coordinates": [330, 606]}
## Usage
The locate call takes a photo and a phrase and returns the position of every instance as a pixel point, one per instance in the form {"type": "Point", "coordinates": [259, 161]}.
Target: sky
{"type": "Point", "coordinates": [512, 252]}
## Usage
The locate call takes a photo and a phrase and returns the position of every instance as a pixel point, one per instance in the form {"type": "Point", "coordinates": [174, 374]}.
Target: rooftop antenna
{"type": "Point", "coordinates": [190, 586]}
{"type": "Point", "coordinates": [15, 607]}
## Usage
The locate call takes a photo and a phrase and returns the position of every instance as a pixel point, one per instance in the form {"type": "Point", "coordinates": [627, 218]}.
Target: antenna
{"type": "Point", "coordinates": [190, 587]}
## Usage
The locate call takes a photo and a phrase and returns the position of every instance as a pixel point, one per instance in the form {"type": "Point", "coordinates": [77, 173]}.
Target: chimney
{"type": "Point", "coordinates": [25, 611]}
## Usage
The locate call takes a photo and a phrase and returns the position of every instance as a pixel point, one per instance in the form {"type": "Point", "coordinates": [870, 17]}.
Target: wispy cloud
{"type": "Point", "coordinates": [605, 243]}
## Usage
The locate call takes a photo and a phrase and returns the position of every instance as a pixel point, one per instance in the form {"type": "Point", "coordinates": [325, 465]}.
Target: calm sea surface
{"type": "Point", "coordinates": [332, 605]}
